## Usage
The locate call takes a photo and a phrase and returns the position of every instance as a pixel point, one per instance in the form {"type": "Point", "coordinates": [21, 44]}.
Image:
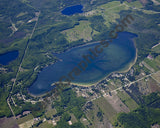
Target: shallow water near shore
{"type": "Point", "coordinates": [119, 54]}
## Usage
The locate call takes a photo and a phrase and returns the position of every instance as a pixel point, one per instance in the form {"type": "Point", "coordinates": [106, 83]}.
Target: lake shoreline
{"type": "Point", "coordinates": [123, 69]}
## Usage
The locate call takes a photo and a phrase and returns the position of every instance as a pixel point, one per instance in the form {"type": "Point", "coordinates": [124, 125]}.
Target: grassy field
{"type": "Point", "coordinates": [94, 119]}
{"type": "Point", "coordinates": [153, 63]}
{"type": "Point", "coordinates": [73, 118]}
{"type": "Point", "coordinates": [50, 113]}
{"type": "Point", "coordinates": [8, 123]}
{"type": "Point", "coordinates": [27, 124]}
{"type": "Point", "coordinates": [106, 108]}
{"type": "Point", "coordinates": [157, 77]}
{"type": "Point", "coordinates": [45, 125]}
{"type": "Point", "coordinates": [24, 119]}
{"type": "Point", "coordinates": [91, 115]}
{"type": "Point", "coordinates": [81, 31]}
{"type": "Point", "coordinates": [110, 11]}
{"type": "Point", "coordinates": [156, 49]}
{"type": "Point", "coordinates": [135, 4]}
{"type": "Point", "coordinates": [127, 100]}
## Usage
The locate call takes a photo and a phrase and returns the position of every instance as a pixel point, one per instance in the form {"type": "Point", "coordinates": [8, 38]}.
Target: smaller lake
{"type": "Point", "coordinates": [8, 57]}
{"type": "Point", "coordinates": [72, 10]}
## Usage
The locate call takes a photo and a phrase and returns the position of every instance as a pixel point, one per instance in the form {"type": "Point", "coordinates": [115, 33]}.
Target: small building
{"type": "Point", "coordinates": [150, 57]}
{"type": "Point", "coordinates": [70, 122]}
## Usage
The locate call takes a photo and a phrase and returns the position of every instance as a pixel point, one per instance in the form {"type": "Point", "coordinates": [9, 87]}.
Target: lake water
{"type": "Point", "coordinates": [72, 10]}
{"type": "Point", "coordinates": [8, 57]}
{"type": "Point", "coordinates": [119, 54]}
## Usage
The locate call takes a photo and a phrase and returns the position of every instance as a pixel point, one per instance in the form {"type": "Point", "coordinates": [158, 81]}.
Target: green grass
{"type": "Point", "coordinates": [110, 11]}
{"type": "Point", "coordinates": [50, 113]}
{"type": "Point", "coordinates": [81, 31]}
{"type": "Point", "coordinates": [127, 100]}
{"type": "Point", "coordinates": [24, 119]}
{"type": "Point", "coordinates": [92, 115]}
{"type": "Point", "coordinates": [73, 118]}
{"type": "Point", "coordinates": [106, 108]}
{"type": "Point", "coordinates": [156, 49]}
{"type": "Point", "coordinates": [4, 109]}
{"type": "Point", "coordinates": [110, 4]}
{"type": "Point", "coordinates": [135, 4]}
{"type": "Point", "coordinates": [45, 125]}
{"type": "Point", "coordinates": [153, 63]}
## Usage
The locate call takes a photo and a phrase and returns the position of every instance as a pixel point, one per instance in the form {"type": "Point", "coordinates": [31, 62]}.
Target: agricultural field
{"type": "Point", "coordinates": [45, 125]}
{"type": "Point", "coordinates": [27, 124]}
{"type": "Point", "coordinates": [156, 77]}
{"type": "Point", "coordinates": [24, 119]}
{"type": "Point", "coordinates": [116, 103]}
{"type": "Point", "coordinates": [153, 63]}
{"type": "Point", "coordinates": [97, 117]}
{"type": "Point", "coordinates": [8, 123]}
{"type": "Point", "coordinates": [106, 108]}
{"type": "Point", "coordinates": [127, 100]}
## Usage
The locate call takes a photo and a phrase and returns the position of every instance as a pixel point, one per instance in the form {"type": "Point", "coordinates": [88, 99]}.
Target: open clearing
{"type": "Point", "coordinates": [24, 119]}
{"type": "Point", "coordinates": [27, 124]}
{"type": "Point", "coordinates": [50, 113]}
{"type": "Point", "coordinates": [116, 103]}
{"type": "Point", "coordinates": [107, 109]}
{"type": "Point", "coordinates": [81, 31]}
{"type": "Point", "coordinates": [155, 63]}
{"type": "Point", "coordinates": [45, 125]}
{"type": "Point", "coordinates": [8, 123]}
{"type": "Point", "coordinates": [127, 100]}
{"type": "Point", "coordinates": [92, 116]}
{"type": "Point", "coordinates": [156, 77]}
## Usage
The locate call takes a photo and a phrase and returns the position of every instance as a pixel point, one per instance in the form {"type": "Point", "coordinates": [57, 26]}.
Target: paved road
{"type": "Point", "coordinates": [125, 85]}
{"type": "Point", "coordinates": [25, 50]}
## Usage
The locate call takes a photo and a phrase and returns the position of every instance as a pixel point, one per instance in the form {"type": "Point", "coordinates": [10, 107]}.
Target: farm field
{"type": "Point", "coordinates": [24, 119]}
{"type": "Point", "coordinates": [107, 109]}
{"type": "Point", "coordinates": [127, 100]}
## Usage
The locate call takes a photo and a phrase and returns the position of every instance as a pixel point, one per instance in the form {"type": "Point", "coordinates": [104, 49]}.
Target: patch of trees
{"type": "Point", "coordinates": [97, 23]}
{"type": "Point", "coordinates": [135, 94]}
{"type": "Point", "coordinates": [143, 117]}
{"type": "Point", "coordinates": [4, 109]}
{"type": "Point", "coordinates": [69, 101]}
{"type": "Point", "coordinates": [100, 115]}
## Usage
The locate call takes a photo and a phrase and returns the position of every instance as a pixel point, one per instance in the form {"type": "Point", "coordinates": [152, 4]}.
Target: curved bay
{"type": "Point", "coordinates": [119, 54]}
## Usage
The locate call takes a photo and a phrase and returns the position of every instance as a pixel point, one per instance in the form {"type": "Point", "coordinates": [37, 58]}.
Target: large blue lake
{"type": "Point", "coordinates": [118, 55]}
{"type": "Point", "coordinates": [72, 10]}
{"type": "Point", "coordinates": [8, 57]}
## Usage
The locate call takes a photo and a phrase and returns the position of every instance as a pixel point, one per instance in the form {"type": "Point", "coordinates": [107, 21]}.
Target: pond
{"type": "Point", "coordinates": [72, 10]}
{"type": "Point", "coordinates": [117, 56]}
{"type": "Point", "coordinates": [6, 58]}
